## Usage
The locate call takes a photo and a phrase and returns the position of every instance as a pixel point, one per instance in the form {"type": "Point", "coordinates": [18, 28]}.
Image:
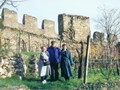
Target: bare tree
{"type": "Point", "coordinates": [9, 2]}
{"type": "Point", "coordinates": [108, 20]}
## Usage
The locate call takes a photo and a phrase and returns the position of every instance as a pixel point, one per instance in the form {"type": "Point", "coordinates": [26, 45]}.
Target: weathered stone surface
{"type": "Point", "coordinates": [30, 23]}
{"type": "Point", "coordinates": [10, 18]}
{"type": "Point", "coordinates": [97, 36]}
{"type": "Point", "coordinates": [32, 66]}
{"type": "Point", "coordinates": [19, 65]}
{"type": "Point", "coordinates": [48, 24]}
{"type": "Point", "coordinates": [112, 39]}
{"type": "Point", "coordinates": [118, 47]}
{"type": "Point", "coordinates": [26, 36]}
{"type": "Point", "coordinates": [73, 27]}
{"type": "Point", "coordinates": [11, 65]}
{"type": "Point", "coordinates": [6, 67]}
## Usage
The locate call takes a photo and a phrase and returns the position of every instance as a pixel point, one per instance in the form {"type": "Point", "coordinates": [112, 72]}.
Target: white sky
{"type": "Point", "coordinates": [49, 9]}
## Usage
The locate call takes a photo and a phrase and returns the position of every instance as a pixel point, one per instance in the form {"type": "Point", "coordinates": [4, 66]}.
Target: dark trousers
{"type": "Point", "coordinates": [43, 78]}
{"type": "Point", "coordinates": [66, 78]}
{"type": "Point", "coordinates": [54, 72]}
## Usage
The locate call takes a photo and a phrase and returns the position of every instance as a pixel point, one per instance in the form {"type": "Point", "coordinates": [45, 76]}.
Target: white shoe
{"type": "Point", "coordinates": [44, 81]}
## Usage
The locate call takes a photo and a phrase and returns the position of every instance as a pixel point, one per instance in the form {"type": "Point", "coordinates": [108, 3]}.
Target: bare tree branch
{"type": "Point", "coordinates": [3, 3]}
{"type": "Point", "coordinates": [18, 0]}
{"type": "Point", "coordinates": [10, 2]}
{"type": "Point", "coordinates": [108, 21]}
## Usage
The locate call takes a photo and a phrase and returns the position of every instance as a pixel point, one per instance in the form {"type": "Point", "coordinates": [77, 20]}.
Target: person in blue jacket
{"type": "Point", "coordinates": [66, 62]}
{"type": "Point", "coordinates": [54, 58]}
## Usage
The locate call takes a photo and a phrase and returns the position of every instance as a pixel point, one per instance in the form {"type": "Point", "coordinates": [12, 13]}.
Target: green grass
{"type": "Point", "coordinates": [35, 83]}
{"type": "Point", "coordinates": [61, 84]}
{"type": "Point", "coordinates": [99, 77]}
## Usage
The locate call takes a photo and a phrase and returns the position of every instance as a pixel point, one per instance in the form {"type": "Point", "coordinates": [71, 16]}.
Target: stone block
{"type": "Point", "coordinates": [30, 23]}
{"type": "Point", "coordinates": [10, 18]}
{"type": "Point", "coordinates": [49, 25]}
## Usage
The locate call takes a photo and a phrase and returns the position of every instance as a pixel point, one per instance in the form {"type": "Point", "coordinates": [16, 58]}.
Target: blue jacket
{"type": "Point", "coordinates": [54, 55]}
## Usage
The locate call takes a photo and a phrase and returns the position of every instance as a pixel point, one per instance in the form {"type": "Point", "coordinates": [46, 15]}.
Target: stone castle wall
{"type": "Point", "coordinates": [28, 37]}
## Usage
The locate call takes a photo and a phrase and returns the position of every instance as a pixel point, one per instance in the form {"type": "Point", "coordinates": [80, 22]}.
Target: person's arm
{"type": "Point", "coordinates": [48, 52]}
{"type": "Point", "coordinates": [59, 54]}
{"type": "Point", "coordinates": [41, 56]}
{"type": "Point", "coordinates": [70, 58]}
{"type": "Point", "coordinates": [44, 56]}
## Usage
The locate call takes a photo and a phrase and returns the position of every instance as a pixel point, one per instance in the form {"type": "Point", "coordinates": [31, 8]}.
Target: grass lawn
{"type": "Point", "coordinates": [34, 83]}
{"type": "Point", "coordinates": [61, 84]}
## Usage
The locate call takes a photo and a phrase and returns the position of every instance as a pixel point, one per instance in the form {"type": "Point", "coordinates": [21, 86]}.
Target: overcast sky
{"type": "Point", "coordinates": [49, 9]}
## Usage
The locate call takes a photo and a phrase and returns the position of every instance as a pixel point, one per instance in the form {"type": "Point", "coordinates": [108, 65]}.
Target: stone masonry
{"type": "Point", "coordinates": [28, 37]}
{"type": "Point", "coordinates": [73, 28]}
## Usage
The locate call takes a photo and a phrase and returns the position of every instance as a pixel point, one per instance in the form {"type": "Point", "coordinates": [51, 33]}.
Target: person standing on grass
{"type": "Point", "coordinates": [44, 65]}
{"type": "Point", "coordinates": [54, 57]}
{"type": "Point", "coordinates": [66, 62]}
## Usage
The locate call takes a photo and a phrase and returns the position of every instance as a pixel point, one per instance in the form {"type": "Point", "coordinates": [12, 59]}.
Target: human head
{"type": "Point", "coordinates": [53, 43]}
{"type": "Point", "coordinates": [43, 48]}
{"type": "Point", "coordinates": [64, 46]}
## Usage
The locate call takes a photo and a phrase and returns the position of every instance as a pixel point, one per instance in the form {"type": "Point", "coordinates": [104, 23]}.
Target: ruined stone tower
{"type": "Point", "coordinates": [73, 28]}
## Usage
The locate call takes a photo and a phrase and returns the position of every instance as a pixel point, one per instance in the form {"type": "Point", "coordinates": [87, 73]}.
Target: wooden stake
{"type": "Point", "coordinates": [86, 59]}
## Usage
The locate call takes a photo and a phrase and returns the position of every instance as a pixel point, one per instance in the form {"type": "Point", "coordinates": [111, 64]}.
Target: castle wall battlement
{"type": "Point", "coordinates": [26, 36]}
{"type": "Point", "coordinates": [29, 24]}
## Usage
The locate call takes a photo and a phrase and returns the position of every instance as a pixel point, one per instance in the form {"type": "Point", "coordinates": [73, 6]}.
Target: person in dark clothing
{"type": "Point", "coordinates": [54, 57]}
{"type": "Point", "coordinates": [66, 62]}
